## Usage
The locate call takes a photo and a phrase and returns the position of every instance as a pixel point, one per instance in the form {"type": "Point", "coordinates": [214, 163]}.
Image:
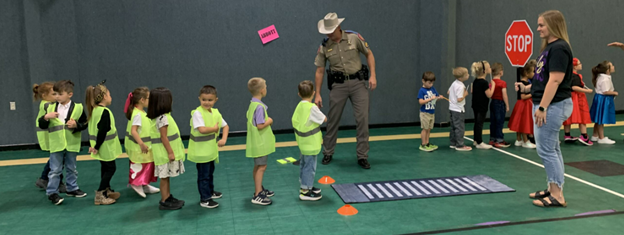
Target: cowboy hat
{"type": "Point", "coordinates": [328, 24]}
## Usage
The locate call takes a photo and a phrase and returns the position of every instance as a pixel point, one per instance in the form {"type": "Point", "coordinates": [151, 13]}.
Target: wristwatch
{"type": "Point", "coordinates": [541, 109]}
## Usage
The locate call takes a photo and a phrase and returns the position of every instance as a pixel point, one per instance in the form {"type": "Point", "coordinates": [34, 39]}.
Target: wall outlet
{"type": "Point", "coordinates": [12, 104]}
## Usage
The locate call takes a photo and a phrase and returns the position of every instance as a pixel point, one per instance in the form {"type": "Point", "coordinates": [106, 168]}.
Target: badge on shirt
{"type": "Point", "coordinates": [366, 44]}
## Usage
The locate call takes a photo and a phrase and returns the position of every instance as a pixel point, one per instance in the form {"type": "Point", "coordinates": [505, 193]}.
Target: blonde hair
{"type": "Point", "coordinates": [460, 72]}
{"type": "Point", "coordinates": [478, 68]}
{"type": "Point", "coordinates": [556, 27]}
{"type": "Point", "coordinates": [95, 95]}
{"type": "Point", "coordinates": [255, 85]}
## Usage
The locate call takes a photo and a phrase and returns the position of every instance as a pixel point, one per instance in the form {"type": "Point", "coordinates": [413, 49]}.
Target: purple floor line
{"type": "Point", "coordinates": [492, 223]}
{"type": "Point", "coordinates": [595, 212]}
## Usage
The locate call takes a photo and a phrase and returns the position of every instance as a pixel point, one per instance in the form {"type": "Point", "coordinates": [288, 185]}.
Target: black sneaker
{"type": "Point", "coordinates": [316, 190]}
{"type": "Point", "coordinates": [62, 188]}
{"type": "Point", "coordinates": [268, 193]}
{"type": "Point", "coordinates": [364, 163]}
{"type": "Point", "coordinates": [296, 163]}
{"type": "Point", "coordinates": [77, 193]}
{"type": "Point", "coordinates": [216, 195]}
{"type": "Point", "coordinates": [170, 204]}
{"type": "Point", "coordinates": [309, 195]}
{"type": "Point", "coordinates": [261, 199]}
{"type": "Point", "coordinates": [175, 200]}
{"type": "Point", "coordinates": [327, 159]}
{"type": "Point", "coordinates": [56, 199]}
{"type": "Point", "coordinates": [209, 204]}
{"type": "Point", "coordinates": [41, 183]}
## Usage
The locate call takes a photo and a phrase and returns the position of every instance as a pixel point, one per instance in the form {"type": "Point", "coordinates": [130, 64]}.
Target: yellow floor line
{"type": "Point", "coordinates": [237, 147]}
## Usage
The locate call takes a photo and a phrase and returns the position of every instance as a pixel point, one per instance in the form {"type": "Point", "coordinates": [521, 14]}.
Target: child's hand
{"type": "Point", "coordinates": [465, 93]}
{"type": "Point", "coordinates": [171, 157]}
{"type": "Point", "coordinates": [270, 121]}
{"type": "Point", "coordinates": [507, 108]}
{"type": "Point", "coordinates": [144, 148]}
{"type": "Point", "coordinates": [71, 124]}
{"type": "Point", "coordinates": [221, 142]}
{"type": "Point", "coordinates": [215, 128]}
{"type": "Point", "coordinates": [92, 150]}
{"type": "Point", "coordinates": [615, 93]}
{"type": "Point", "coordinates": [51, 115]}
{"type": "Point", "coordinates": [440, 97]}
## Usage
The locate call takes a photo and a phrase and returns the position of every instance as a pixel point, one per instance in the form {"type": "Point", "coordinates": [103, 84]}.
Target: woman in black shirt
{"type": "Point", "coordinates": [552, 103]}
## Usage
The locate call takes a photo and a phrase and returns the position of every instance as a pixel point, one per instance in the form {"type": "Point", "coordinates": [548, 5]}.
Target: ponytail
{"type": "Point", "coordinates": [133, 99]}
{"type": "Point", "coordinates": [95, 95]}
{"type": "Point", "coordinates": [598, 69]}
{"type": "Point", "coordinates": [478, 68]}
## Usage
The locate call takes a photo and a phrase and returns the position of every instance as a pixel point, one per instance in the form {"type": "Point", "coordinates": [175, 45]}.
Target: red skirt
{"type": "Point", "coordinates": [141, 174]}
{"type": "Point", "coordinates": [521, 119]}
{"type": "Point", "coordinates": [580, 110]}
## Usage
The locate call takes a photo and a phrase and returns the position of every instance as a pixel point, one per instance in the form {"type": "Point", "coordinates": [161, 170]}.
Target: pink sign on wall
{"type": "Point", "coordinates": [268, 34]}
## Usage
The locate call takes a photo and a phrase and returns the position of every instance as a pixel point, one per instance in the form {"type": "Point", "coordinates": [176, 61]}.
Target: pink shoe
{"type": "Point", "coordinates": [570, 139]}
{"type": "Point", "coordinates": [585, 141]}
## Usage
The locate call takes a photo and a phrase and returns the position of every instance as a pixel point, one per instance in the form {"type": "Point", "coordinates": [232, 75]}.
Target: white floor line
{"type": "Point", "coordinates": [566, 175]}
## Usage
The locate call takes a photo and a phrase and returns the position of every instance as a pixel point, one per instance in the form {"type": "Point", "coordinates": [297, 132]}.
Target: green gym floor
{"type": "Point", "coordinates": [24, 209]}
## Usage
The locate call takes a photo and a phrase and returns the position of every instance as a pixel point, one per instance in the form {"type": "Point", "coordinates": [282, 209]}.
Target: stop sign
{"type": "Point", "coordinates": [519, 43]}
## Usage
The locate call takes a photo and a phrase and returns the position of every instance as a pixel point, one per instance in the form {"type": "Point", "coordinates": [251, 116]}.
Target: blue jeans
{"type": "Point", "coordinates": [57, 160]}
{"type": "Point", "coordinates": [547, 139]}
{"type": "Point", "coordinates": [205, 180]}
{"type": "Point", "coordinates": [46, 172]}
{"type": "Point", "coordinates": [308, 170]}
{"type": "Point", "coordinates": [497, 120]}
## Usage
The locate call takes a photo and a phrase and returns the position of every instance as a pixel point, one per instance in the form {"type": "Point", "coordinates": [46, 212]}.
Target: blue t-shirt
{"type": "Point", "coordinates": [424, 94]}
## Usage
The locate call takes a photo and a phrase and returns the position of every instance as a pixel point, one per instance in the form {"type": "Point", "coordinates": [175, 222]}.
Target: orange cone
{"type": "Point", "coordinates": [347, 210]}
{"type": "Point", "coordinates": [326, 180]}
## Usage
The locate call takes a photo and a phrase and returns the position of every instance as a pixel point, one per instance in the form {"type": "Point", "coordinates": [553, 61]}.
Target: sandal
{"type": "Point", "coordinates": [540, 194]}
{"type": "Point", "coordinates": [553, 202]}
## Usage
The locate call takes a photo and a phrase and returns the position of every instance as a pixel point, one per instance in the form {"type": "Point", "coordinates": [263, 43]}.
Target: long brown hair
{"type": "Point", "coordinates": [556, 27]}
{"type": "Point", "coordinates": [39, 90]}
{"type": "Point", "coordinates": [598, 69]}
{"type": "Point", "coordinates": [95, 95]}
{"type": "Point", "coordinates": [134, 98]}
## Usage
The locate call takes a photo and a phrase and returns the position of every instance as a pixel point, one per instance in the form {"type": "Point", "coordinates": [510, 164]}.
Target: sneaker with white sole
{"type": "Point", "coordinates": [150, 189]}
{"type": "Point", "coordinates": [308, 195]}
{"type": "Point", "coordinates": [261, 199]}
{"type": "Point", "coordinates": [209, 204]}
{"type": "Point", "coordinates": [76, 193]}
{"type": "Point", "coordinates": [452, 146]}
{"type": "Point", "coordinates": [529, 145]}
{"type": "Point", "coordinates": [585, 141]}
{"type": "Point", "coordinates": [606, 140]}
{"type": "Point", "coordinates": [41, 183]}
{"type": "Point", "coordinates": [483, 145]}
{"type": "Point", "coordinates": [139, 190]}
{"type": "Point", "coordinates": [594, 138]}
{"type": "Point", "coordinates": [518, 143]}
{"type": "Point", "coordinates": [56, 199]}
{"type": "Point", "coordinates": [465, 148]}
{"type": "Point", "coordinates": [216, 195]}
{"type": "Point", "coordinates": [316, 190]}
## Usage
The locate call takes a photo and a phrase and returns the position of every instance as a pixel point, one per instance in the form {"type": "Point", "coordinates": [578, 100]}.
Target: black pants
{"type": "Point", "coordinates": [478, 126]}
{"type": "Point", "coordinates": [108, 170]}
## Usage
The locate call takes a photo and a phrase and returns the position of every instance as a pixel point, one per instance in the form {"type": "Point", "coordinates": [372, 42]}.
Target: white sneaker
{"type": "Point", "coordinates": [606, 141]}
{"type": "Point", "coordinates": [452, 147]}
{"type": "Point", "coordinates": [518, 143]}
{"type": "Point", "coordinates": [528, 145]}
{"type": "Point", "coordinates": [150, 189]}
{"type": "Point", "coordinates": [139, 190]}
{"type": "Point", "coordinates": [594, 138]}
{"type": "Point", "coordinates": [483, 145]}
{"type": "Point", "coordinates": [465, 148]}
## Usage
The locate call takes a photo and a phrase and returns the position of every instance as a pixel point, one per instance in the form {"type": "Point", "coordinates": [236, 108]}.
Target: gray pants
{"type": "Point", "coordinates": [457, 129]}
{"type": "Point", "coordinates": [357, 92]}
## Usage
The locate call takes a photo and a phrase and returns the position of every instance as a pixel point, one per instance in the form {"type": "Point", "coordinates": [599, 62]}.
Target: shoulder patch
{"type": "Point", "coordinates": [356, 33]}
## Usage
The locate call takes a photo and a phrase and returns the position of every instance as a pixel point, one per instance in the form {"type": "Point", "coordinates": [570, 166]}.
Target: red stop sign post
{"type": "Point", "coordinates": [519, 46]}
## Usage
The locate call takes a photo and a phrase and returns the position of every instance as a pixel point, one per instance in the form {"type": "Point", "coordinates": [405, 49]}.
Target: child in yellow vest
{"type": "Point", "coordinates": [64, 136]}
{"type": "Point", "coordinates": [104, 141]}
{"type": "Point", "coordinates": [307, 121]}
{"type": "Point", "coordinates": [167, 146]}
{"type": "Point", "coordinates": [203, 148]}
{"type": "Point", "coordinates": [46, 94]}
{"type": "Point", "coordinates": [138, 143]}
{"type": "Point", "coordinates": [260, 139]}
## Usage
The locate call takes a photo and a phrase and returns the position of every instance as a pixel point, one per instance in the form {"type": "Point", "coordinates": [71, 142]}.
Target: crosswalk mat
{"type": "Point", "coordinates": [418, 188]}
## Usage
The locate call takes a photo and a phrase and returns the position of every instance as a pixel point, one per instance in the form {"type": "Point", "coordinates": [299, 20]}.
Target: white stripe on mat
{"type": "Point", "coordinates": [368, 194]}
